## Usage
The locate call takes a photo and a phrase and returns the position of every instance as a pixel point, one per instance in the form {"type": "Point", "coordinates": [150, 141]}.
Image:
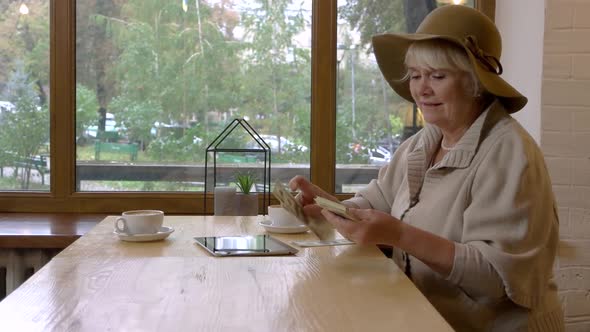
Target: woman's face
{"type": "Point", "coordinates": [443, 96]}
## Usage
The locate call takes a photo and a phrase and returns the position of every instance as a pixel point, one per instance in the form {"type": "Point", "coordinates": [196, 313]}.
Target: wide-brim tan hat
{"type": "Point", "coordinates": [463, 26]}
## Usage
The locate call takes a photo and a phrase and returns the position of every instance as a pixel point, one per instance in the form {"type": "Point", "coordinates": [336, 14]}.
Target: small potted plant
{"type": "Point", "coordinates": [246, 200]}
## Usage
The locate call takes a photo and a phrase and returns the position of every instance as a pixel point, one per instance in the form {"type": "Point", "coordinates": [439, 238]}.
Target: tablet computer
{"type": "Point", "coordinates": [245, 245]}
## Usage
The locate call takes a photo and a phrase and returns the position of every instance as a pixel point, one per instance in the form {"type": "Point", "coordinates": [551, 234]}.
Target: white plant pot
{"type": "Point", "coordinates": [246, 205]}
{"type": "Point", "coordinates": [225, 201]}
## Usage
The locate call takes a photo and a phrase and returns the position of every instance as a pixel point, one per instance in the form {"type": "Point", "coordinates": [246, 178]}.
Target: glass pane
{"type": "Point", "coordinates": [24, 95]}
{"type": "Point", "coordinates": [372, 120]}
{"type": "Point", "coordinates": [158, 81]}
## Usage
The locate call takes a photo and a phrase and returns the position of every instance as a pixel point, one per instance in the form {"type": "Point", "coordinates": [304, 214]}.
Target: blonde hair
{"type": "Point", "coordinates": [442, 54]}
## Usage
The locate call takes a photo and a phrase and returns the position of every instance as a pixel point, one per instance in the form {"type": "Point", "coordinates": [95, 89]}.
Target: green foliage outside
{"type": "Point", "coordinates": [86, 109]}
{"type": "Point", "coordinates": [24, 130]}
{"type": "Point", "coordinates": [24, 80]}
{"type": "Point", "coordinates": [176, 68]}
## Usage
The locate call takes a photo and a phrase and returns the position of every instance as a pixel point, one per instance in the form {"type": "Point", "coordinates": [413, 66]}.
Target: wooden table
{"type": "Point", "coordinates": [100, 283]}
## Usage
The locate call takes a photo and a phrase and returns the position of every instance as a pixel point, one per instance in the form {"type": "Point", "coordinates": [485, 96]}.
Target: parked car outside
{"type": "Point", "coordinates": [110, 126]}
{"type": "Point", "coordinates": [286, 144]}
{"type": "Point", "coordinates": [6, 106]}
{"type": "Point", "coordinates": [379, 156]}
{"type": "Point", "coordinates": [382, 153]}
{"type": "Point", "coordinates": [177, 131]}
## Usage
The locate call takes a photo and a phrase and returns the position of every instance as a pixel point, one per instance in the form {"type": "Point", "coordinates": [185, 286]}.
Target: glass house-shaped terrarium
{"type": "Point", "coordinates": [238, 152]}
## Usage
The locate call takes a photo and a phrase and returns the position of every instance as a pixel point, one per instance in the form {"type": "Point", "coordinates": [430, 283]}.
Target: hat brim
{"type": "Point", "coordinates": [390, 52]}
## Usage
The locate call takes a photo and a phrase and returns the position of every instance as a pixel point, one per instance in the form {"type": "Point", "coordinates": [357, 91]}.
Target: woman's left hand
{"type": "Point", "coordinates": [372, 227]}
{"type": "Point", "coordinates": [376, 227]}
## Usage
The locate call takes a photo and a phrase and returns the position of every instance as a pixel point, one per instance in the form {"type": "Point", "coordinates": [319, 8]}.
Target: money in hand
{"type": "Point", "coordinates": [335, 207]}
{"type": "Point", "coordinates": [322, 229]}
{"type": "Point", "coordinates": [288, 202]}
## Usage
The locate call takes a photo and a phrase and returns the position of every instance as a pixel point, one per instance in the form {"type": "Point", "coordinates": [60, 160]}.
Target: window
{"type": "Point", "coordinates": [104, 89]}
{"type": "Point", "coordinates": [24, 96]}
{"type": "Point", "coordinates": [157, 81]}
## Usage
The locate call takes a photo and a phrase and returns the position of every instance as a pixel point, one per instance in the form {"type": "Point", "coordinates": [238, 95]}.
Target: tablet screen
{"type": "Point", "coordinates": [248, 245]}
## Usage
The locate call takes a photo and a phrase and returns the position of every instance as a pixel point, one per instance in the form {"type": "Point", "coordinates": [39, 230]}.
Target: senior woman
{"type": "Point", "coordinates": [466, 202]}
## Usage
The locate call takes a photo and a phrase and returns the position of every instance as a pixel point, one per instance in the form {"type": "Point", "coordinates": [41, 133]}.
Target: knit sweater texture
{"type": "Point", "coordinates": [492, 196]}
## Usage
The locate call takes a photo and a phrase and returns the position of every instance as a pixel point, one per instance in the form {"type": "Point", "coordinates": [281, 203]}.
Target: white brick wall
{"type": "Point", "coordinates": [565, 141]}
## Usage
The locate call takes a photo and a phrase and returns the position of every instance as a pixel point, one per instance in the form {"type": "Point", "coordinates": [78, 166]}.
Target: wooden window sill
{"type": "Point", "coordinates": [44, 230]}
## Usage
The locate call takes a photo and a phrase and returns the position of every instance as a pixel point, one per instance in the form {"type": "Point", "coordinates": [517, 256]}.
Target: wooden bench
{"type": "Point", "coordinates": [130, 149]}
{"type": "Point", "coordinates": [38, 163]}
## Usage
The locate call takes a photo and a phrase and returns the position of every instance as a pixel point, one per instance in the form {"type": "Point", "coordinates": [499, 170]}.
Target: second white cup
{"type": "Point", "coordinates": [281, 217]}
{"type": "Point", "coordinates": [140, 222]}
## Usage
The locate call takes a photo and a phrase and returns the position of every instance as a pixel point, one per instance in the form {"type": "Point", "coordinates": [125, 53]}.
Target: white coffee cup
{"type": "Point", "coordinates": [281, 217]}
{"type": "Point", "coordinates": [140, 222]}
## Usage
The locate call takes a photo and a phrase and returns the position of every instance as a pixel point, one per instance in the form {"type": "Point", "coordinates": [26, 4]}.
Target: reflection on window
{"type": "Point", "coordinates": [372, 120]}
{"type": "Point", "coordinates": [24, 95]}
{"type": "Point", "coordinates": [157, 81]}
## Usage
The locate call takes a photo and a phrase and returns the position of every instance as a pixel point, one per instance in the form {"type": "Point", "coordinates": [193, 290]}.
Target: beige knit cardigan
{"type": "Point", "coordinates": [492, 196]}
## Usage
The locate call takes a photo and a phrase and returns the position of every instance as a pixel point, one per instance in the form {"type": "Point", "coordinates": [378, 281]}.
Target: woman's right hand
{"type": "Point", "coordinates": [307, 193]}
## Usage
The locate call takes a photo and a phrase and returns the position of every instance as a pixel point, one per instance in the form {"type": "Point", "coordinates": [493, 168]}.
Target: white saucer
{"type": "Point", "coordinates": [162, 234]}
{"type": "Point", "coordinates": [267, 224]}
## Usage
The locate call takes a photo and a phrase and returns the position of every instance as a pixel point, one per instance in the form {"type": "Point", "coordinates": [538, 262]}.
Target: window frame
{"type": "Point", "coordinates": [63, 198]}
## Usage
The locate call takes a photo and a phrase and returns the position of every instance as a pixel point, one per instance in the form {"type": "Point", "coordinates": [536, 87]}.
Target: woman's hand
{"type": "Point", "coordinates": [376, 227]}
{"type": "Point", "coordinates": [372, 227]}
{"type": "Point", "coordinates": [307, 193]}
